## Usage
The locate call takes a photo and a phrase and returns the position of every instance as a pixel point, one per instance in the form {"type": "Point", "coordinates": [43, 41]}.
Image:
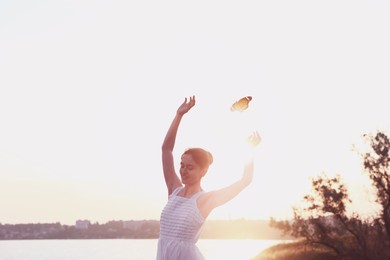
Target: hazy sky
{"type": "Point", "coordinates": [89, 88]}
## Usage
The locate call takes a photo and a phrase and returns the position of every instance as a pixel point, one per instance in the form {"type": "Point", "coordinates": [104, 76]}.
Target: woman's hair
{"type": "Point", "coordinates": [201, 157]}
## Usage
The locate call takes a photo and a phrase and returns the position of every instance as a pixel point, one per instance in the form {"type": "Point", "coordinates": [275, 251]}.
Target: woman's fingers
{"type": "Point", "coordinates": [254, 139]}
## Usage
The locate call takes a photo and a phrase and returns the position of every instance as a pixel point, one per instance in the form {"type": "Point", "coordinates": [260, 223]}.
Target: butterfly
{"type": "Point", "coordinates": [241, 104]}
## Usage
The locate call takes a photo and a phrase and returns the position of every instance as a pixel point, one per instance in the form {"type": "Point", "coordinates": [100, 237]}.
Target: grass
{"type": "Point", "coordinates": [295, 251]}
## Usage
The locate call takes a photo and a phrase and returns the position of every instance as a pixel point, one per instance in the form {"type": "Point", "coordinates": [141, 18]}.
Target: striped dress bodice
{"type": "Point", "coordinates": [180, 227]}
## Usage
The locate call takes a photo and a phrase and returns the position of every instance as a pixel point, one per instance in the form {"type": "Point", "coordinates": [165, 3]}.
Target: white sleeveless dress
{"type": "Point", "coordinates": [180, 226]}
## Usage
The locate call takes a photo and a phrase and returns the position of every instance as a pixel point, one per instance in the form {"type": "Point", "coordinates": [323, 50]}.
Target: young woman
{"type": "Point", "coordinates": [188, 205]}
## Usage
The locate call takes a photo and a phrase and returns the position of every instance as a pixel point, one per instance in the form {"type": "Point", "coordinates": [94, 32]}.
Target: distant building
{"type": "Point", "coordinates": [82, 224]}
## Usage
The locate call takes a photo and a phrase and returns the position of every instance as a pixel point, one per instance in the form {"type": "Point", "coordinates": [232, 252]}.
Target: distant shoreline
{"type": "Point", "coordinates": [137, 229]}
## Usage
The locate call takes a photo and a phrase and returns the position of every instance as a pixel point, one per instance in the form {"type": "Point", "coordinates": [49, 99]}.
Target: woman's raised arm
{"type": "Point", "coordinates": [216, 198]}
{"type": "Point", "coordinates": [171, 178]}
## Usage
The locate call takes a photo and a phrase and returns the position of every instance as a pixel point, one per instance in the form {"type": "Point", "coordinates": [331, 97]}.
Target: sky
{"type": "Point", "coordinates": [88, 90]}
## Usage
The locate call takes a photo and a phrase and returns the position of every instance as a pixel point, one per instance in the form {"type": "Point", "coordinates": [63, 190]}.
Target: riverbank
{"type": "Point", "coordinates": [296, 250]}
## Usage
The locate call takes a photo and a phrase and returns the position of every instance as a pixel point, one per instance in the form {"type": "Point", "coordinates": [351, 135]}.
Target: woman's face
{"type": "Point", "coordinates": [190, 172]}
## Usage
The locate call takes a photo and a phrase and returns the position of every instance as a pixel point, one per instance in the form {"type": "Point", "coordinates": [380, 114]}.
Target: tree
{"type": "Point", "coordinates": [376, 164]}
{"type": "Point", "coordinates": [325, 222]}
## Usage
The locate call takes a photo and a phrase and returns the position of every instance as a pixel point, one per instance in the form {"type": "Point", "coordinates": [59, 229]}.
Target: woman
{"type": "Point", "coordinates": [188, 205]}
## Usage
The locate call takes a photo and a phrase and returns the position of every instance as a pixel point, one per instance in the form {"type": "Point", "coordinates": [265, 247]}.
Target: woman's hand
{"type": "Point", "coordinates": [186, 106]}
{"type": "Point", "coordinates": [254, 139]}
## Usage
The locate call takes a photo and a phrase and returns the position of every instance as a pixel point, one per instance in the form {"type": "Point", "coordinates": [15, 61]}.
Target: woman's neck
{"type": "Point", "coordinates": [190, 190]}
